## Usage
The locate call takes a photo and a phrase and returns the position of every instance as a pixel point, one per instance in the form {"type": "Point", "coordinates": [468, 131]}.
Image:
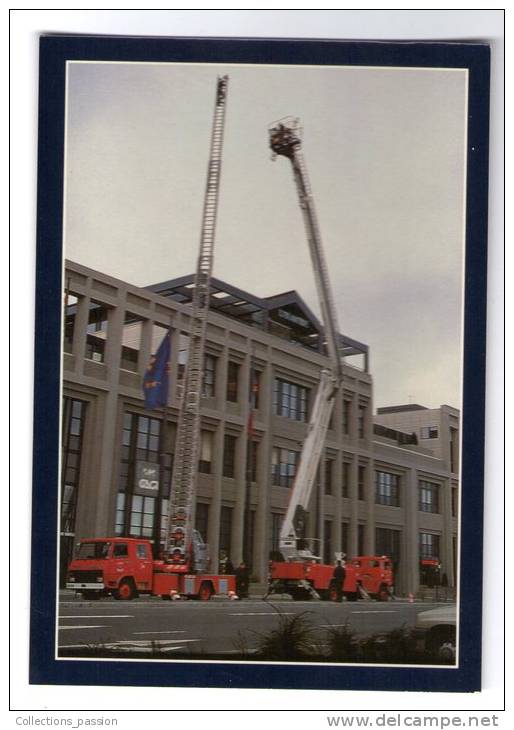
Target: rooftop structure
{"type": "Point", "coordinates": [285, 315]}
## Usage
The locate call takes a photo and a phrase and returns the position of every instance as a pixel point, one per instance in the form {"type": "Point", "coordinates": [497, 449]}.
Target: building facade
{"type": "Point", "coordinates": [380, 488]}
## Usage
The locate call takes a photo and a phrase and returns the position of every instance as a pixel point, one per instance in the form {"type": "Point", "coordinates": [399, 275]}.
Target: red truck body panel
{"type": "Point", "coordinates": [125, 567]}
{"type": "Point", "coordinates": [370, 572]}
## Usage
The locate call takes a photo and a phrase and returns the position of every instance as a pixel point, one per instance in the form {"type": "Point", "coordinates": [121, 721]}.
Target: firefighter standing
{"type": "Point", "coordinates": [339, 575]}
{"type": "Point", "coordinates": [242, 581]}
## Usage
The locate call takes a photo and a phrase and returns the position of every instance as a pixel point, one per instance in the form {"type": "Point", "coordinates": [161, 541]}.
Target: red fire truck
{"type": "Point", "coordinates": [366, 576]}
{"type": "Point", "coordinates": [299, 571]}
{"type": "Point", "coordinates": [124, 567]}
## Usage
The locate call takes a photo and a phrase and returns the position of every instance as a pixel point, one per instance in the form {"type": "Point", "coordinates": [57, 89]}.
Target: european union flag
{"type": "Point", "coordinates": [157, 376]}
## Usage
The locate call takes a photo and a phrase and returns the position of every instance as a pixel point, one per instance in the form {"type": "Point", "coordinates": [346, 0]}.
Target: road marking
{"type": "Point", "coordinates": [64, 628]}
{"type": "Point", "coordinates": [144, 642]}
{"type": "Point", "coordinates": [111, 646]}
{"type": "Point", "coordinates": [105, 615]}
{"type": "Point", "coordinates": [136, 633]}
{"type": "Point", "coordinates": [387, 611]}
{"type": "Point", "coordinates": [274, 613]}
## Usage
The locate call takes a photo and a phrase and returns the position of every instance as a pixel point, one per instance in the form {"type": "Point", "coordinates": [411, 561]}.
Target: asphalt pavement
{"type": "Point", "coordinates": [220, 626]}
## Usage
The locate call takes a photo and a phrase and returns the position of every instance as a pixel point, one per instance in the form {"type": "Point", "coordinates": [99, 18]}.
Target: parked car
{"type": "Point", "coordinates": [436, 632]}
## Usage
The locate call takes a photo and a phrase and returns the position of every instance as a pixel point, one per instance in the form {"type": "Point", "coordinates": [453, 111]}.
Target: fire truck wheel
{"type": "Point", "coordinates": [125, 591]}
{"type": "Point", "coordinates": [205, 592]}
{"type": "Point", "coordinates": [351, 597]}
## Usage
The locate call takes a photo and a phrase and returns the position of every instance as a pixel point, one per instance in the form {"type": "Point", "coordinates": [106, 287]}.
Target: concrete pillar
{"type": "Point", "coordinates": [215, 507]}
{"type": "Point", "coordinates": [410, 541]}
{"type": "Point", "coordinates": [175, 345]}
{"type": "Point", "coordinates": [145, 347]}
{"type": "Point", "coordinates": [370, 508]}
{"type": "Point", "coordinates": [446, 556]}
{"type": "Point", "coordinates": [337, 478]}
{"type": "Point", "coordinates": [238, 522]}
{"type": "Point", "coordinates": [353, 493]}
{"type": "Point", "coordinates": [108, 444]}
{"type": "Point", "coordinates": [80, 330]}
{"type": "Point", "coordinates": [263, 516]}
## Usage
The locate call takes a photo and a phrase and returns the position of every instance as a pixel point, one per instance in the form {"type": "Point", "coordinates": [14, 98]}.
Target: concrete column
{"type": "Point", "coordinates": [238, 523]}
{"type": "Point", "coordinates": [353, 492]}
{"type": "Point", "coordinates": [262, 516]}
{"type": "Point", "coordinates": [175, 343]}
{"type": "Point", "coordinates": [369, 540]}
{"type": "Point", "coordinates": [80, 330]}
{"type": "Point", "coordinates": [108, 443]}
{"type": "Point", "coordinates": [446, 556]}
{"type": "Point", "coordinates": [337, 477]}
{"type": "Point", "coordinates": [115, 322]}
{"type": "Point", "coordinates": [145, 346]}
{"type": "Point", "coordinates": [215, 507]}
{"type": "Point", "coordinates": [410, 542]}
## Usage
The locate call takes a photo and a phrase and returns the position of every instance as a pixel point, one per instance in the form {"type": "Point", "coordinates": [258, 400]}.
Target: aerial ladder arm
{"type": "Point", "coordinates": [285, 140]}
{"type": "Point", "coordinates": [180, 535]}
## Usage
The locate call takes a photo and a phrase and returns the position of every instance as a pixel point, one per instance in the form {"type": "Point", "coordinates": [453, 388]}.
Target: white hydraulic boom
{"type": "Point", "coordinates": [285, 139]}
{"type": "Point", "coordinates": [183, 544]}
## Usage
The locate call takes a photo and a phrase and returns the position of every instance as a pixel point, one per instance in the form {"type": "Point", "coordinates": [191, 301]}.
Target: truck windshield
{"type": "Point", "coordinates": [92, 550]}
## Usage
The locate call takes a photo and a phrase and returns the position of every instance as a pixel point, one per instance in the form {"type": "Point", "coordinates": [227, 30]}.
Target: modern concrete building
{"type": "Point", "coordinates": [381, 487]}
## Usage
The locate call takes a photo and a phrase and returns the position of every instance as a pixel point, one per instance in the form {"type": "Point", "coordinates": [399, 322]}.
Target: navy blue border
{"type": "Point", "coordinates": [54, 52]}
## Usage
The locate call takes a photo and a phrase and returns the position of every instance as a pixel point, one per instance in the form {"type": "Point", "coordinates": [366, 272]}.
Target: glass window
{"type": "Point", "coordinates": [428, 497]}
{"type": "Point", "coordinates": [327, 542]}
{"type": "Point", "coordinates": [202, 519]}
{"type": "Point", "coordinates": [329, 472]}
{"type": "Point", "coordinates": [255, 388]}
{"type": "Point", "coordinates": [387, 489]}
{"type": "Point", "coordinates": [388, 542]}
{"type": "Point", "coordinates": [120, 550]}
{"type": "Point", "coordinates": [428, 546]}
{"type": "Point", "coordinates": [73, 415]}
{"type": "Point", "coordinates": [205, 462]}
{"type": "Point", "coordinates": [251, 460]}
{"type": "Point", "coordinates": [290, 400]}
{"type": "Point", "coordinates": [429, 432]}
{"type": "Point", "coordinates": [226, 530]}
{"type": "Point", "coordinates": [455, 501]}
{"type": "Point", "coordinates": [119, 527]}
{"type": "Point", "coordinates": [347, 412]}
{"type": "Point", "coordinates": [142, 552]}
{"type": "Point", "coordinates": [232, 381]}
{"type": "Point", "coordinates": [361, 482]}
{"type": "Point", "coordinates": [361, 421]}
{"type": "Point", "coordinates": [142, 516]}
{"type": "Point", "coordinates": [209, 376]}
{"type": "Point", "coordinates": [229, 455]}
{"type": "Point", "coordinates": [283, 468]}
{"type": "Point", "coordinates": [346, 478]}
{"type": "Point", "coordinates": [360, 539]}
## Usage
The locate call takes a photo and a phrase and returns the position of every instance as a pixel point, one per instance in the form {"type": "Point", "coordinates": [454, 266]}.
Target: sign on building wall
{"type": "Point", "coordinates": [147, 478]}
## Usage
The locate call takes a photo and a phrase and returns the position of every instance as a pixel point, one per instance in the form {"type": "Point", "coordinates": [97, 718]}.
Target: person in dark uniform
{"type": "Point", "coordinates": [242, 580]}
{"type": "Point", "coordinates": [339, 575]}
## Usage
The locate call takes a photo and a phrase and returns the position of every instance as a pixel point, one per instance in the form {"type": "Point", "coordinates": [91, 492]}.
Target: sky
{"type": "Point", "coordinates": [385, 152]}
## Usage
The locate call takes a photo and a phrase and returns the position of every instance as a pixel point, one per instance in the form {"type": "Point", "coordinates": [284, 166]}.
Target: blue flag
{"type": "Point", "coordinates": [157, 376]}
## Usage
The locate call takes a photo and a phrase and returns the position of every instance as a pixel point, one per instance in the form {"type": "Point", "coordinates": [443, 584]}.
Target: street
{"type": "Point", "coordinates": [220, 626]}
